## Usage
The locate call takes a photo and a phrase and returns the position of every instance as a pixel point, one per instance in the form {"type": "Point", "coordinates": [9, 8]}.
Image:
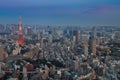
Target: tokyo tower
{"type": "Point", "coordinates": [20, 35]}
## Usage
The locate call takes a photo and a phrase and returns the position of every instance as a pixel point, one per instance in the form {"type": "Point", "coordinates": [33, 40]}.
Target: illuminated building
{"type": "Point", "coordinates": [20, 35]}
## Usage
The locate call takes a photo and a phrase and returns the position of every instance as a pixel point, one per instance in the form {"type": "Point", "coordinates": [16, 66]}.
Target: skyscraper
{"type": "Point", "coordinates": [75, 33]}
{"type": "Point", "coordinates": [41, 41]}
{"type": "Point", "coordinates": [29, 31]}
{"type": "Point", "coordinates": [20, 35]}
{"type": "Point", "coordinates": [85, 45]}
{"type": "Point", "coordinates": [92, 41]}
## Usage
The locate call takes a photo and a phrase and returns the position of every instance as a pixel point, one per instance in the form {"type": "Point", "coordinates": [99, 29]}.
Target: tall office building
{"type": "Point", "coordinates": [92, 41]}
{"type": "Point", "coordinates": [94, 46]}
{"type": "Point", "coordinates": [50, 38]}
{"type": "Point", "coordinates": [20, 35]}
{"type": "Point", "coordinates": [75, 33]}
{"type": "Point", "coordinates": [85, 45]}
{"type": "Point", "coordinates": [29, 31]}
{"type": "Point", "coordinates": [81, 33]}
{"type": "Point", "coordinates": [41, 38]}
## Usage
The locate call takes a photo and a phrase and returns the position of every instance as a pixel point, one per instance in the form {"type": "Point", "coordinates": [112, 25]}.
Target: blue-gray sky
{"type": "Point", "coordinates": [61, 12]}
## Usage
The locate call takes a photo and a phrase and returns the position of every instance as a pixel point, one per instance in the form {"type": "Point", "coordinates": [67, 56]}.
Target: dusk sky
{"type": "Point", "coordinates": [61, 12]}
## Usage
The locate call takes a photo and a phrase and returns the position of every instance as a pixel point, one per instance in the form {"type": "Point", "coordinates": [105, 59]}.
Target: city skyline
{"type": "Point", "coordinates": [54, 12]}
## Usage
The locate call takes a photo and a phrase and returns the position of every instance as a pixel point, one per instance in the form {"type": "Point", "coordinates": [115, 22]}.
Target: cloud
{"type": "Point", "coordinates": [102, 9]}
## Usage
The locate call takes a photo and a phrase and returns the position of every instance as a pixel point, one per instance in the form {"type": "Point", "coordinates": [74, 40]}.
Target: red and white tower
{"type": "Point", "coordinates": [20, 35]}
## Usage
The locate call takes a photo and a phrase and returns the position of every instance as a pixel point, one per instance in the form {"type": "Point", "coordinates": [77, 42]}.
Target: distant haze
{"type": "Point", "coordinates": [61, 12]}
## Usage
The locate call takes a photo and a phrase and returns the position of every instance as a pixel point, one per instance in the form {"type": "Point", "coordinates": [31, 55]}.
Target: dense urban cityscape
{"type": "Point", "coordinates": [39, 52]}
{"type": "Point", "coordinates": [59, 39]}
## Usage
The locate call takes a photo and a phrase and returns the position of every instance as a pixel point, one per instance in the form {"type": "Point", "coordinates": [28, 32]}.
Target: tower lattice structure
{"type": "Point", "coordinates": [20, 35]}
